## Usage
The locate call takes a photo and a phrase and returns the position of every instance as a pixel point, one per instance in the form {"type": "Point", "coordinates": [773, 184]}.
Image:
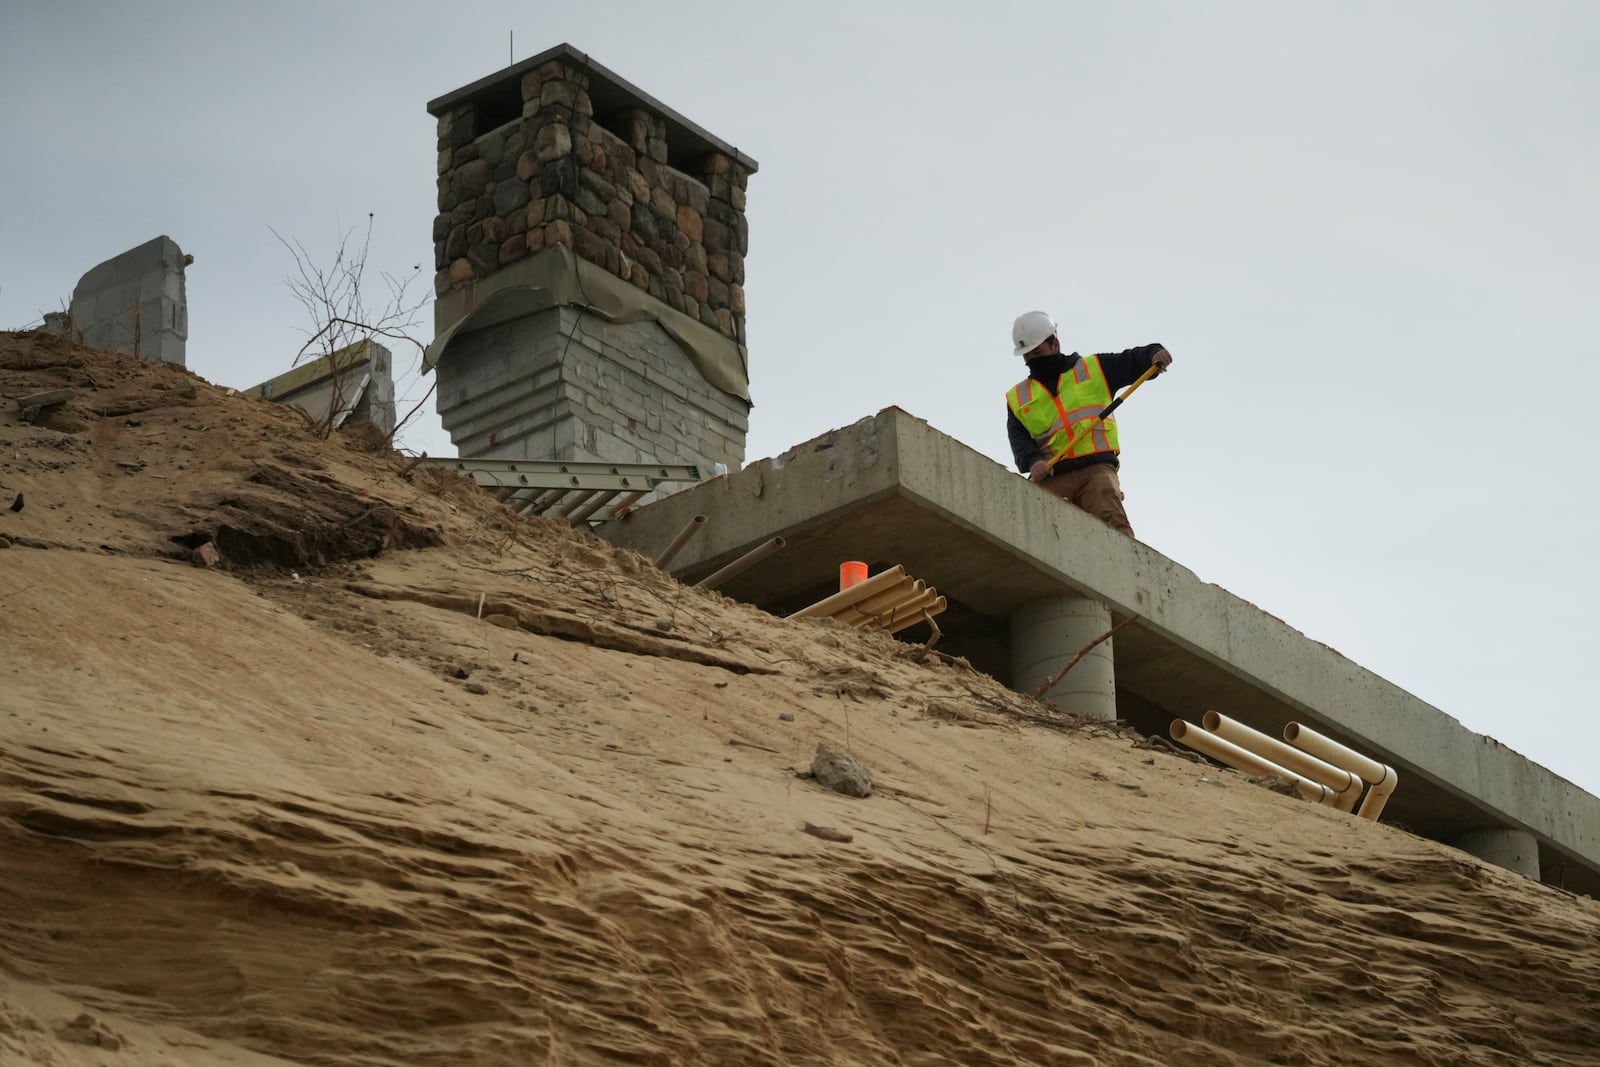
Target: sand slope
{"type": "Point", "coordinates": [405, 781]}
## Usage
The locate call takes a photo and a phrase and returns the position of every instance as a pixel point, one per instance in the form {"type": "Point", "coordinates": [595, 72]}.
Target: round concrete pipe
{"type": "Point", "coordinates": [742, 564]}
{"type": "Point", "coordinates": [1515, 850]}
{"type": "Point", "coordinates": [845, 598]}
{"type": "Point", "coordinates": [1242, 759]}
{"type": "Point", "coordinates": [690, 528]}
{"type": "Point", "coordinates": [1345, 784]}
{"type": "Point", "coordinates": [1045, 636]}
{"type": "Point", "coordinates": [1380, 776]}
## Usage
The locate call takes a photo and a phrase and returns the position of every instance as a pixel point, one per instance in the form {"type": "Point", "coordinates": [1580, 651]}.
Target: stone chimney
{"type": "Point", "coordinates": [590, 248]}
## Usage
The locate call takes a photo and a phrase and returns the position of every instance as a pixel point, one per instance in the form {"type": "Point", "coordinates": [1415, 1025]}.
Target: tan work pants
{"type": "Point", "coordinates": [1095, 489]}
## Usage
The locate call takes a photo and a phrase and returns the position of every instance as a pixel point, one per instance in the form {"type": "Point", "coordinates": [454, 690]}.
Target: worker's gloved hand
{"type": "Point", "coordinates": [1039, 471]}
{"type": "Point", "coordinates": [1162, 359]}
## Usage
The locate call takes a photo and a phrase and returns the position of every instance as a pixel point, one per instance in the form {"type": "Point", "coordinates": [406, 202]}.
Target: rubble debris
{"type": "Point", "coordinates": [827, 833]}
{"type": "Point", "coordinates": [36, 404]}
{"type": "Point", "coordinates": [841, 773]}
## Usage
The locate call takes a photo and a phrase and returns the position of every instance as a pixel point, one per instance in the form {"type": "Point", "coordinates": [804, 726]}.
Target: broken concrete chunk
{"type": "Point", "coordinates": [841, 773]}
{"type": "Point", "coordinates": [35, 405]}
{"type": "Point", "coordinates": [135, 303]}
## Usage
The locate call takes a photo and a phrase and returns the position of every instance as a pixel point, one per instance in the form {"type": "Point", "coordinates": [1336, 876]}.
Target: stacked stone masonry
{"type": "Point", "coordinates": [566, 384]}
{"type": "Point", "coordinates": [606, 186]}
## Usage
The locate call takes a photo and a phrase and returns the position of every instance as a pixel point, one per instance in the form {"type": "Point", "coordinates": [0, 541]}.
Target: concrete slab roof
{"type": "Point", "coordinates": [890, 489]}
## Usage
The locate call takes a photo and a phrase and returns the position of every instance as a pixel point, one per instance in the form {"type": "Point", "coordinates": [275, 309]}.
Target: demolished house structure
{"type": "Point", "coordinates": [592, 366]}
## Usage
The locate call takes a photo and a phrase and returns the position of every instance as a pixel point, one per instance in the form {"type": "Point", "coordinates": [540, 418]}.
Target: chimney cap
{"type": "Point", "coordinates": [608, 92]}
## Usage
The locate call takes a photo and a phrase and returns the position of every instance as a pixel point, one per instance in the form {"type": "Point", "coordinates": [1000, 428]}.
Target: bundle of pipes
{"type": "Point", "coordinates": [1320, 768]}
{"type": "Point", "coordinates": [889, 601]}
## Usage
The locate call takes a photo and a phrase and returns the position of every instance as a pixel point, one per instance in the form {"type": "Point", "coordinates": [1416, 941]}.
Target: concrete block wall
{"type": "Point", "coordinates": [565, 384]}
{"type": "Point", "coordinates": [352, 384]}
{"type": "Point", "coordinates": [135, 303]}
{"type": "Point", "coordinates": [376, 402]}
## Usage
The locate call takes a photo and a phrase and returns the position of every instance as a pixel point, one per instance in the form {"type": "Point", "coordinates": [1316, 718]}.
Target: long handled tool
{"type": "Point", "coordinates": [1089, 424]}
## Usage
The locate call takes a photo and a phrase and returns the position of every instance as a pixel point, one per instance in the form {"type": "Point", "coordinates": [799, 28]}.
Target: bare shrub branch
{"type": "Point", "coordinates": [335, 298]}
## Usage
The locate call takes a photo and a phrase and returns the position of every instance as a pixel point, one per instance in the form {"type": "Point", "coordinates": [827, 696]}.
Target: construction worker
{"type": "Point", "coordinates": [1060, 392]}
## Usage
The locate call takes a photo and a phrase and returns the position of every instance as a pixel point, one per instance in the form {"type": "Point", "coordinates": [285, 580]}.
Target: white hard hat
{"type": "Point", "coordinates": [1032, 329]}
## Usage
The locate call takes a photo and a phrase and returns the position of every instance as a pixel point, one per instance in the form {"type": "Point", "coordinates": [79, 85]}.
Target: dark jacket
{"type": "Point", "coordinates": [1122, 369]}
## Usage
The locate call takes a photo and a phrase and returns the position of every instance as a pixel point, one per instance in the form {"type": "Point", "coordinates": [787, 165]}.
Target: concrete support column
{"type": "Point", "coordinates": [1045, 635]}
{"type": "Point", "coordinates": [1515, 850]}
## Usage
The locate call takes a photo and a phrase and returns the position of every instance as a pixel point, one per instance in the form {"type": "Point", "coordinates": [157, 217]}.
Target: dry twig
{"type": "Point", "coordinates": [1050, 683]}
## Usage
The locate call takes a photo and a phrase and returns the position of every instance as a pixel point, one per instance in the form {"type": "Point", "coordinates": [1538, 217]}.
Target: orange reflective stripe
{"type": "Point", "coordinates": [1083, 396]}
{"type": "Point", "coordinates": [1096, 440]}
{"type": "Point", "coordinates": [1065, 422]}
{"type": "Point", "coordinates": [1018, 401]}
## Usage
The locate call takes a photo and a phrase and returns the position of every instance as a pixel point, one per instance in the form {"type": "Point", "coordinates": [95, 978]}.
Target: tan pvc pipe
{"type": "Point", "coordinates": [882, 602]}
{"type": "Point", "coordinates": [1379, 794]}
{"type": "Point", "coordinates": [936, 608]}
{"type": "Point", "coordinates": [742, 564]}
{"type": "Point", "coordinates": [854, 595]}
{"type": "Point", "coordinates": [1241, 759]}
{"type": "Point", "coordinates": [690, 528]}
{"type": "Point", "coordinates": [886, 601]}
{"type": "Point", "coordinates": [1345, 784]}
{"type": "Point", "coordinates": [912, 608]}
{"type": "Point", "coordinates": [1380, 776]}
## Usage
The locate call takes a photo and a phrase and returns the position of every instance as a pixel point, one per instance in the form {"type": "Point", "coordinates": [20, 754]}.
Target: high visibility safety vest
{"type": "Point", "coordinates": [1052, 419]}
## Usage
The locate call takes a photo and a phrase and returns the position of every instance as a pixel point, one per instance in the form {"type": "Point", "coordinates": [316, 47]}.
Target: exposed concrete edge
{"type": "Point", "coordinates": [318, 370]}
{"type": "Point", "coordinates": [556, 276]}
{"type": "Point", "coordinates": [649, 529]}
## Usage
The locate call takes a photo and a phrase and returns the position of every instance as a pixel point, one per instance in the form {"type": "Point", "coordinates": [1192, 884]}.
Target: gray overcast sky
{"type": "Point", "coordinates": [1366, 231]}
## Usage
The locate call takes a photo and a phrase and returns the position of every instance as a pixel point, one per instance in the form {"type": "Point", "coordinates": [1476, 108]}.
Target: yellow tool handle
{"type": "Point", "coordinates": [1088, 424]}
